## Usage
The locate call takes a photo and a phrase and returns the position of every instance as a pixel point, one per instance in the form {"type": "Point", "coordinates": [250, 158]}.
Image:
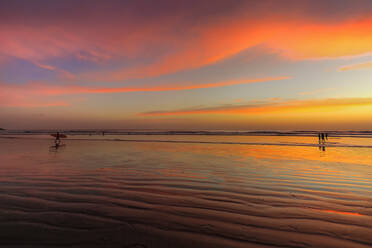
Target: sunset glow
{"type": "Point", "coordinates": [177, 64]}
{"type": "Point", "coordinates": [186, 123]}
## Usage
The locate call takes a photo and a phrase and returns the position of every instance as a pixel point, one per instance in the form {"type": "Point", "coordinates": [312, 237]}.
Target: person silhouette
{"type": "Point", "coordinates": [58, 139]}
{"type": "Point", "coordinates": [322, 137]}
{"type": "Point", "coordinates": [319, 137]}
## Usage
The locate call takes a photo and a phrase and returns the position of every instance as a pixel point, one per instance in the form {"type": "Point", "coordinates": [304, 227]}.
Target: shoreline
{"type": "Point", "coordinates": [327, 144]}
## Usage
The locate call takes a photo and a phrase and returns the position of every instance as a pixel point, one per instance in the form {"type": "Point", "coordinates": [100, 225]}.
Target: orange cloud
{"type": "Point", "coordinates": [43, 89]}
{"type": "Point", "coordinates": [293, 40]}
{"type": "Point", "coordinates": [307, 40]}
{"type": "Point", "coordinates": [29, 95]}
{"type": "Point", "coordinates": [272, 107]}
{"type": "Point", "coordinates": [366, 65]}
{"type": "Point", "coordinates": [166, 50]}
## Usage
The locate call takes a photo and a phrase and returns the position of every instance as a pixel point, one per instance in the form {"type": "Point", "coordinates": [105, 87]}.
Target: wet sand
{"type": "Point", "coordinates": [92, 193]}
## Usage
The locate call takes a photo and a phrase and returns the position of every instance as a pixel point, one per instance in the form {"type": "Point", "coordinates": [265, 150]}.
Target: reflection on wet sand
{"type": "Point", "coordinates": [132, 194]}
{"type": "Point", "coordinates": [339, 212]}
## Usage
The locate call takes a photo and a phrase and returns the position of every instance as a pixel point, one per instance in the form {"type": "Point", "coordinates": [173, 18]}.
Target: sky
{"type": "Point", "coordinates": [186, 64]}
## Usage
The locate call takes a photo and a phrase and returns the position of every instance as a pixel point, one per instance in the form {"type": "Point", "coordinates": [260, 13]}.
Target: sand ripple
{"type": "Point", "coordinates": [138, 205]}
{"type": "Point", "coordinates": [45, 209]}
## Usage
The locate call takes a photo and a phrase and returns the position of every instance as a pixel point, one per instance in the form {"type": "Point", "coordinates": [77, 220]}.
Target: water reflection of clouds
{"type": "Point", "coordinates": [240, 189]}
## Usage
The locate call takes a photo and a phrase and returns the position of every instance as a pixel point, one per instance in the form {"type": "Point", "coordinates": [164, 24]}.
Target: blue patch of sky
{"type": "Point", "coordinates": [19, 71]}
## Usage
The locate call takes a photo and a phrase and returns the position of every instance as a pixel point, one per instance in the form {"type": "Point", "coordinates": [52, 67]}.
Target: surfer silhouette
{"type": "Point", "coordinates": [57, 140]}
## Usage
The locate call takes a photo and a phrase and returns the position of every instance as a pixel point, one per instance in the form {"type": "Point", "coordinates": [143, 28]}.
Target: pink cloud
{"type": "Point", "coordinates": [17, 96]}
{"type": "Point", "coordinates": [43, 89]}
{"type": "Point", "coordinates": [173, 42]}
{"type": "Point", "coordinates": [32, 94]}
{"type": "Point", "coordinates": [63, 74]}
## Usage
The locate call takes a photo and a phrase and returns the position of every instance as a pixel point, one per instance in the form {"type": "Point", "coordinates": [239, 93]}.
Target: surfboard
{"type": "Point", "coordinates": [60, 135]}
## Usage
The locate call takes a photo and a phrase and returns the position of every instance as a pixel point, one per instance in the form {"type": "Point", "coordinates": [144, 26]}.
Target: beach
{"type": "Point", "coordinates": [142, 190]}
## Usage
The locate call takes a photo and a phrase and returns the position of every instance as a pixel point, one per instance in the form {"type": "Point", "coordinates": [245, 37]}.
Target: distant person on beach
{"type": "Point", "coordinates": [58, 139]}
{"type": "Point", "coordinates": [326, 136]}
{"type": "Point", "coordinates": [321, 138]}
